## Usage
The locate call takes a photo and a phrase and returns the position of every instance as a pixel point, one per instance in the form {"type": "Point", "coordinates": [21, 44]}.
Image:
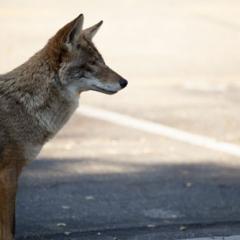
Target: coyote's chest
{"type": "Point", "coordinates": [53, 117]}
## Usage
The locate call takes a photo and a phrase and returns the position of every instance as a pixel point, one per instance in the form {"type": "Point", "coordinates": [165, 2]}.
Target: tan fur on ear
{"type": "Point", "coordinates": [57, 45]}
{"type": "Point", "coordinates": [68, 32]}
{"type": "Point", "coordinates": [74, 33]}
{"type": "Point", "coordinates": [90, 32]}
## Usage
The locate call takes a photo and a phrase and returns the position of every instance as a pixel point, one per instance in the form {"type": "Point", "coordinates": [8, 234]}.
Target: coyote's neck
{"type": "Point", "coordinates": [34, 87]}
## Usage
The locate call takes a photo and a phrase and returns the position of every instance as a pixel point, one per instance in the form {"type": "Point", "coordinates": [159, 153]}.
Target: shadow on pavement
{"type": "Point", "coordinates": [82, 196]}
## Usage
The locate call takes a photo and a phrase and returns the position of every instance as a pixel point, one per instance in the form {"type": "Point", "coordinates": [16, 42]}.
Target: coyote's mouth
{"type": "Point", "coordinates": [107, 91]}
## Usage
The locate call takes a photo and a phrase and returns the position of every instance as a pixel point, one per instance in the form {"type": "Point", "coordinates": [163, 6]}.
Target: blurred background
{"type": "Point", "coordinates": [181, 59]}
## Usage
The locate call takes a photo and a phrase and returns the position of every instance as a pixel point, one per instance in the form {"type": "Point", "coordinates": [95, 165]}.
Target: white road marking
{"type": "Point", "coordinates": [236, 237]}
{"type": "Point", "coordinates": [159, 129]}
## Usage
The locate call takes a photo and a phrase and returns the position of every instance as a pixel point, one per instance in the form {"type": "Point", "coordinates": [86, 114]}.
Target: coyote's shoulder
{"type": "Point", "coordinates": [29, 98]}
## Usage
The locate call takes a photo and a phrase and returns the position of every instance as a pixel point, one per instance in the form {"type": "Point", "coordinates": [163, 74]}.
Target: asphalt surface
{"type": "Point", "coordinates": [97, 180]}
{"type": "Point", "coordinates": [120, 187]}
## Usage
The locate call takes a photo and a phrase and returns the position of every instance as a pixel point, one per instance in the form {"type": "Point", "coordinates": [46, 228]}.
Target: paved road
{"type": "Point", "coordinates": [97, 180]}
{"type": "Point", "coordinates": [103, 182]}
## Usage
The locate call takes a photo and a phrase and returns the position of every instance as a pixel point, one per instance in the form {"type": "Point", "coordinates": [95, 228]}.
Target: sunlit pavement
{"type": "Point", "coordinates": [98, 180]}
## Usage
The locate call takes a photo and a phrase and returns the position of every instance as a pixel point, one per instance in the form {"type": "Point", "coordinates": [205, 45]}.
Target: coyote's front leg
{"type": "Point", "coordinates": [10, 168]}
{"type": "Point", "coordinates": [8, 188]}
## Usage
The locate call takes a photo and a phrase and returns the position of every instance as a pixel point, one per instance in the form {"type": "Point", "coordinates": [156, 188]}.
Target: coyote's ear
{"type": "Point", "coordinates": [75, 30]}
{"type": "Point", "coordinates": [90, 32]}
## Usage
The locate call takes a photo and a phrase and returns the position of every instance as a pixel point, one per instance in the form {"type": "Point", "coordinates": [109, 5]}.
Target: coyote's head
{"type": "Point", "coordinates": [78, 63]}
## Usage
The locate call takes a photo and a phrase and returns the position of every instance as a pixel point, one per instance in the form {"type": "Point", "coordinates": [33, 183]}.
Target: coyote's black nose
{"type": "Point", "coordinates": [123, 83]}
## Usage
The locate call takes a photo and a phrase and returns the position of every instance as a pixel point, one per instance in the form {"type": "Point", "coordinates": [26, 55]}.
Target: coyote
{"type": "Point", "coordinates": [37, 99]}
